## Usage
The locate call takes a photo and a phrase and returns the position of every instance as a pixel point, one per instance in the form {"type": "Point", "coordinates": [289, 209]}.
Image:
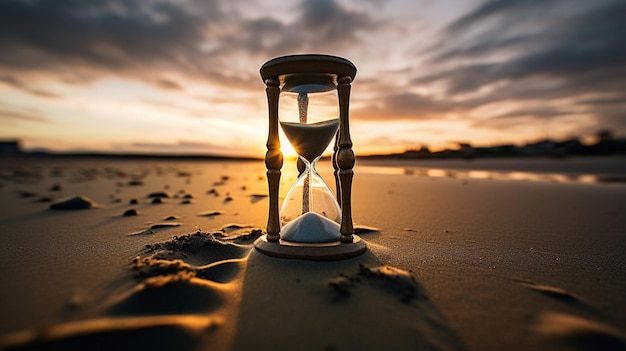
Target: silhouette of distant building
{"type": "Point", "coordinates": [605, 136]}
{"type": "Point", "coordinates": [10, 147]}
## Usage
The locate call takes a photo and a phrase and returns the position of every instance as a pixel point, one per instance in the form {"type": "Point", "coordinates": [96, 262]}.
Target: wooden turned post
{"type": "Point", "coordinates": [344, 159]}
{"type": "Point", "coordinates": [273, 159]}
{"type": "Point", "coordinates": [336, 167]}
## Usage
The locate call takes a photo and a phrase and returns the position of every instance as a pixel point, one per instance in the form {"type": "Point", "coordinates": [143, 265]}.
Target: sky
{"type": "Point", "coordinates": [182, 76]}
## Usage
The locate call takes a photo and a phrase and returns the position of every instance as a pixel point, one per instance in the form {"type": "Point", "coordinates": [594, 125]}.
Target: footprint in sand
{"type": "Point", "coordinates": [180, 283]}
{"type": "Point", "coordinates": [193, 270]}
{"type": "Point", "coordinates": [580, 333]}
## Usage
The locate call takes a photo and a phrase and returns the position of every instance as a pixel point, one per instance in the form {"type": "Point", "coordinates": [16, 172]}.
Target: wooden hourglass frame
{"type": "Point", "coordinates": [300, 68]}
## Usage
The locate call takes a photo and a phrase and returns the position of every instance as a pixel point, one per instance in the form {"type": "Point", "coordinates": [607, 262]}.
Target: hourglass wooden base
{"type": "Point", "coordinates": [331, 251]}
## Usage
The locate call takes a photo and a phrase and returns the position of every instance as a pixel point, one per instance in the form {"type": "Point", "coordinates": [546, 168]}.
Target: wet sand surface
{"type": "Point", "coordinates": [159, 254]}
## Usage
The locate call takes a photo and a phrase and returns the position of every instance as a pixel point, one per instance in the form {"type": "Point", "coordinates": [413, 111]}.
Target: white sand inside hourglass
{"type": "Point", "coordinates": [311, 228]}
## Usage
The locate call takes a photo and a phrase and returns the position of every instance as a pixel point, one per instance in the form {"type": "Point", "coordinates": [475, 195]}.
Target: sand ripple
{"type": "Point", "coordinates": [181, 288]}
{"type": "Point", "coordinates": [580, 333]}
{"type": "Point", "coordinates": [170, 294]}
{"type": "Point", "coordinates": [172, 332]}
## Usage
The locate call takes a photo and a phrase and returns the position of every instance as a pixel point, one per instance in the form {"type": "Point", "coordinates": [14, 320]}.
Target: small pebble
{"type": "Point", "coordinates": [164, 225]}
{"type": "Point", "coordinates": [27, 194]}
{"type": "Point", "coordinates": [131, 212]}
{"type": "Point", "coordinates": [210, 213]}
{"type": "Point", "coordinates": [73, 203]}
{"type": "Point", "coordinates": [159, 194]}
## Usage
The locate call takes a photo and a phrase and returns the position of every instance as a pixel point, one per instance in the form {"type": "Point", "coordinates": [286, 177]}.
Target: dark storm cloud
{"type": "Point", "coordinates": [332, 23]}
{"type": "Point", "coordinates": [573, 52]}
{"type": "Point", "coordinates": [319, 26]}
{"type": "Point", "coordinates": [85, 40]}
{"type": "Point", "coordinates": [38, 33]}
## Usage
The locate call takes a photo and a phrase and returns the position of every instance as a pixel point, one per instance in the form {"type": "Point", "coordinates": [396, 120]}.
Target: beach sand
{"type": "Point", "coordinates": [455, 261]}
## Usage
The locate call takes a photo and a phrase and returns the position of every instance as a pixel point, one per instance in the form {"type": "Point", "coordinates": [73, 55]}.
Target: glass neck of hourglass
{"type": "Point", "coordinates": [307, 175]}
{"type": "Point", "coordinates": [305, 166]}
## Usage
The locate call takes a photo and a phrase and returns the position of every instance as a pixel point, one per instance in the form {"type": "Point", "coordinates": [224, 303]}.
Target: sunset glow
{"type": "Point", "coordinates": [176, 77]}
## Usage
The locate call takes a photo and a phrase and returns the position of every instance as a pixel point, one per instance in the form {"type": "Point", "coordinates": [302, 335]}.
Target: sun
{"type": "Point", "coordinates": [285, 147]}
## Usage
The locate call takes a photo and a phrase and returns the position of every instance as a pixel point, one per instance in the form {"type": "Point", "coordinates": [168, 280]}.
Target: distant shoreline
{"type": "Point", "coordinates": [117, 156]}
{"type": "Point", "coordinates": [377, 157]}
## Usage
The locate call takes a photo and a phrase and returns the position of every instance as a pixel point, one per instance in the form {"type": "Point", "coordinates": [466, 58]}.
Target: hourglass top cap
{"type": "Point", "coordinates": [308, 65]}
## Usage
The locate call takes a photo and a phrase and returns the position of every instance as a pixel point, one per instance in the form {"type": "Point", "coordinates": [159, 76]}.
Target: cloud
{"type": "Point", "coordinates": [10, 114]}
{"type": "Point", "coordinates": [81, 41]}
{"type": "Point", "coordinates": [168, 84]}
{"type": "Point", "coordinates": [533, 51]}
{"type": "Point", "coordinates": [555, 59]}
{"type": "Point", "coordinates": [403, 106]}
{"type": "Point", "coordinates": [181, 147]}
{"type": "Point", "coordinates": [20, 85]}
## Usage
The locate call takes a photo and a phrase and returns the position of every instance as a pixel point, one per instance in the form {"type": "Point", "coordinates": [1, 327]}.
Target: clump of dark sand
{"type": "Point", "coordinates": [149, 267]}
{"type": "Point", "coordinates": [257, 197]}
{"type": "Point", "coordinates": [164, 225]}
{"type": "Point", "coordinates": [389, 279]}
{"type": "Point", "coordinates": [239, 234]}
{"type": "Point", "coordinates": [186, 243]}
{"type": "Point", "coordinates": [24, 193]}
{"type": "Point", "coordinates": [340, 287]}
{"type": "Point", "coordinates": [198, 248]}
{"type": "Point", "coordinates": [74, 203]}
{"type": "Point", "coordinates": [221, 271]}
{"type": "Point", "coordinates": [364, 229]}
{"type": "Point", "coordinates": [153, 228]}
{"type": "Point", "coordinates": [211, 213]}
{"type": "Point", "coordinates": [230, 228]}
{"type": "Point", "coordinates": [159, 194]}
{"type": "Point", "coordinates": [393, 280]}
{"type": "Point", "coordinates": [131, 212]}
{"type": "Point", "coordinates": [222, 180]}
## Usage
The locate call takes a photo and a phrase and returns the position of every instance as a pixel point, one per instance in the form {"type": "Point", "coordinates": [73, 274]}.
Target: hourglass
{"type": "Point", "coordinates": [312, 222]}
